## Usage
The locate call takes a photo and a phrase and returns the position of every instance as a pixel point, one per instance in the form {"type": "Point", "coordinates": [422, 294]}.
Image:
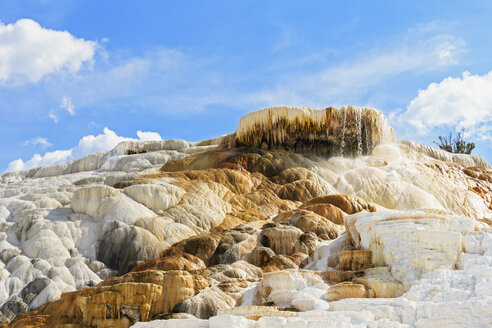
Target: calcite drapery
{"type": "Point", "coordinates": [349, 131]}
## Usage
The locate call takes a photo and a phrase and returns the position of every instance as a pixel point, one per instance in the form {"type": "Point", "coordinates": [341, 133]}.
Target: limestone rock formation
{"type": "Point", "coordinates": [348, 290]}
{"type": "Point", "coordinates": [332, 131]}
{"type": "Point", "coordinates": [356, 260]}
{"type": "Point", "coordinates": [302, 217]}
{"type": "Point", "coordinates": [120, 301]}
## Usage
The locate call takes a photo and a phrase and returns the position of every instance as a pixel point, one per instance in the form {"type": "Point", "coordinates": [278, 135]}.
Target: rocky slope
{"type": "Point", "coordinates": [302, 218]}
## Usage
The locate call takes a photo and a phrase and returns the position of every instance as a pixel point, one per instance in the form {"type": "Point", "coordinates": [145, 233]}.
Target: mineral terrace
{"type": "Point", "coordinates": [301, 218]}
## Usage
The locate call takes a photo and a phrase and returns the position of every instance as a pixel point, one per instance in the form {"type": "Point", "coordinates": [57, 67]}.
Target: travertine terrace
{"type": "Point", "coordinates": [301, 218]}
{"type": "Point", "coordinates": [345, 131]}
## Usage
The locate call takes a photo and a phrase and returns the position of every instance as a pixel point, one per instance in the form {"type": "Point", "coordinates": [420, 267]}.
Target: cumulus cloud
{"type": "Point", "coordinates": [148, 136]}
{"type": "Point", "coordinates": [90, 144]}
{"type": "Point", "coordinates": [464, 102]}
{"type": "Point", "coordinates": [40, 160]}
{"type": "Point", "coordinates": [87, 145]}
{"type": "Point", "coordinates": [38, 141]}
{"type": "Point", "coordinates": [29, 52]}
{"type": "Point", "coordinates": [67, 105]}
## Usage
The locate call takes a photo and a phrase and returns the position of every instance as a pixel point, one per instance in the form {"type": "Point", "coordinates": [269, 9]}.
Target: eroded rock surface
{"type": "Point", "coordinates": [267, 227]}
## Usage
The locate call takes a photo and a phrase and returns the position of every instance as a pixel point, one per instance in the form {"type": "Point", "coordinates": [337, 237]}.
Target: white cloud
{"type": "Point", "coordinates": [43, 142]}
{"type": "Point", "coordinates": [40, 160]}
{"type": "Point", "coordinates": [345, 82]}
{"type": "Point", "coordinates": [449, 51]}
{"type": "Point", "coordinates": [29, 52]}
{"type": "Point", "coordinates": [464, 102]}
{"type": "Point", "coordinates": [67, 105]}
{"type": "Point", "coordinates": [53, 116]}
{"type": "Point", "coordinates": [163, 79]}
{"type": "Point", "coordinates": [148, 136]}
{"type": "Point", "coordinates": [193, 87]}
{"type": "Point", "coordinates": [87, 145]}
{"type": "Point", "coordinates": [90, 144]}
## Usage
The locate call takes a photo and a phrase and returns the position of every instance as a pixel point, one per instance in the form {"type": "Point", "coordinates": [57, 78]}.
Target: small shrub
{"type": "Point", "coordinates": [455, 145]}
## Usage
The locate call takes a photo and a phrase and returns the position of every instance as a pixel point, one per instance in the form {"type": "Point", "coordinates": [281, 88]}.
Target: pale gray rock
{"type": "Point", "coordinates": [122, 246]}
{"type": "Point", "coordinates": [206, 303]}
{"type": "Point", "coordinates": [260, 255]}
{"type": "Point", "coordinates": [13, 307]}
{"type": "Point", "coordinates": [32, 289]}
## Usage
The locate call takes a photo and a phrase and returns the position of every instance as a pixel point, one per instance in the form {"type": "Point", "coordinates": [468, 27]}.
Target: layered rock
{"type": "Point", "coordinates": [269, 223]}
{"type": "Point", "coordinates": [119, 302]}
{"type": "Point", "coordinates": [348, 290]}
{"type": "Point", "coordinates": [411, 243]}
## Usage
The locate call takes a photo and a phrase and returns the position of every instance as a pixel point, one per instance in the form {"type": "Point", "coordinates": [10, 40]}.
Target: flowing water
{"type": "Point", "coordinates": [342, 144]}
{"type": "Point", "coordinates": [359, 131]}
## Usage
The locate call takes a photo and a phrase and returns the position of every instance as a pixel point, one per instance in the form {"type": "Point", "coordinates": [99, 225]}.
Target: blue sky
{"type": "Point", "coordinates": [79, 76]}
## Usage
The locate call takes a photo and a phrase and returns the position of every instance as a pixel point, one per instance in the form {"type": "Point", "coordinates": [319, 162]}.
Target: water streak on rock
{"type": "Point", "coordinates": [329, 132]}
{"type": "Point", "coordinates": [343, 134]}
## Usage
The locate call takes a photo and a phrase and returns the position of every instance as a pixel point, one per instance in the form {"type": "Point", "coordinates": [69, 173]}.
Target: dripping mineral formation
{"type": "Point", "coordinates": [301, 218]}
{"type": "Point", "coordinates": [330, 132]}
